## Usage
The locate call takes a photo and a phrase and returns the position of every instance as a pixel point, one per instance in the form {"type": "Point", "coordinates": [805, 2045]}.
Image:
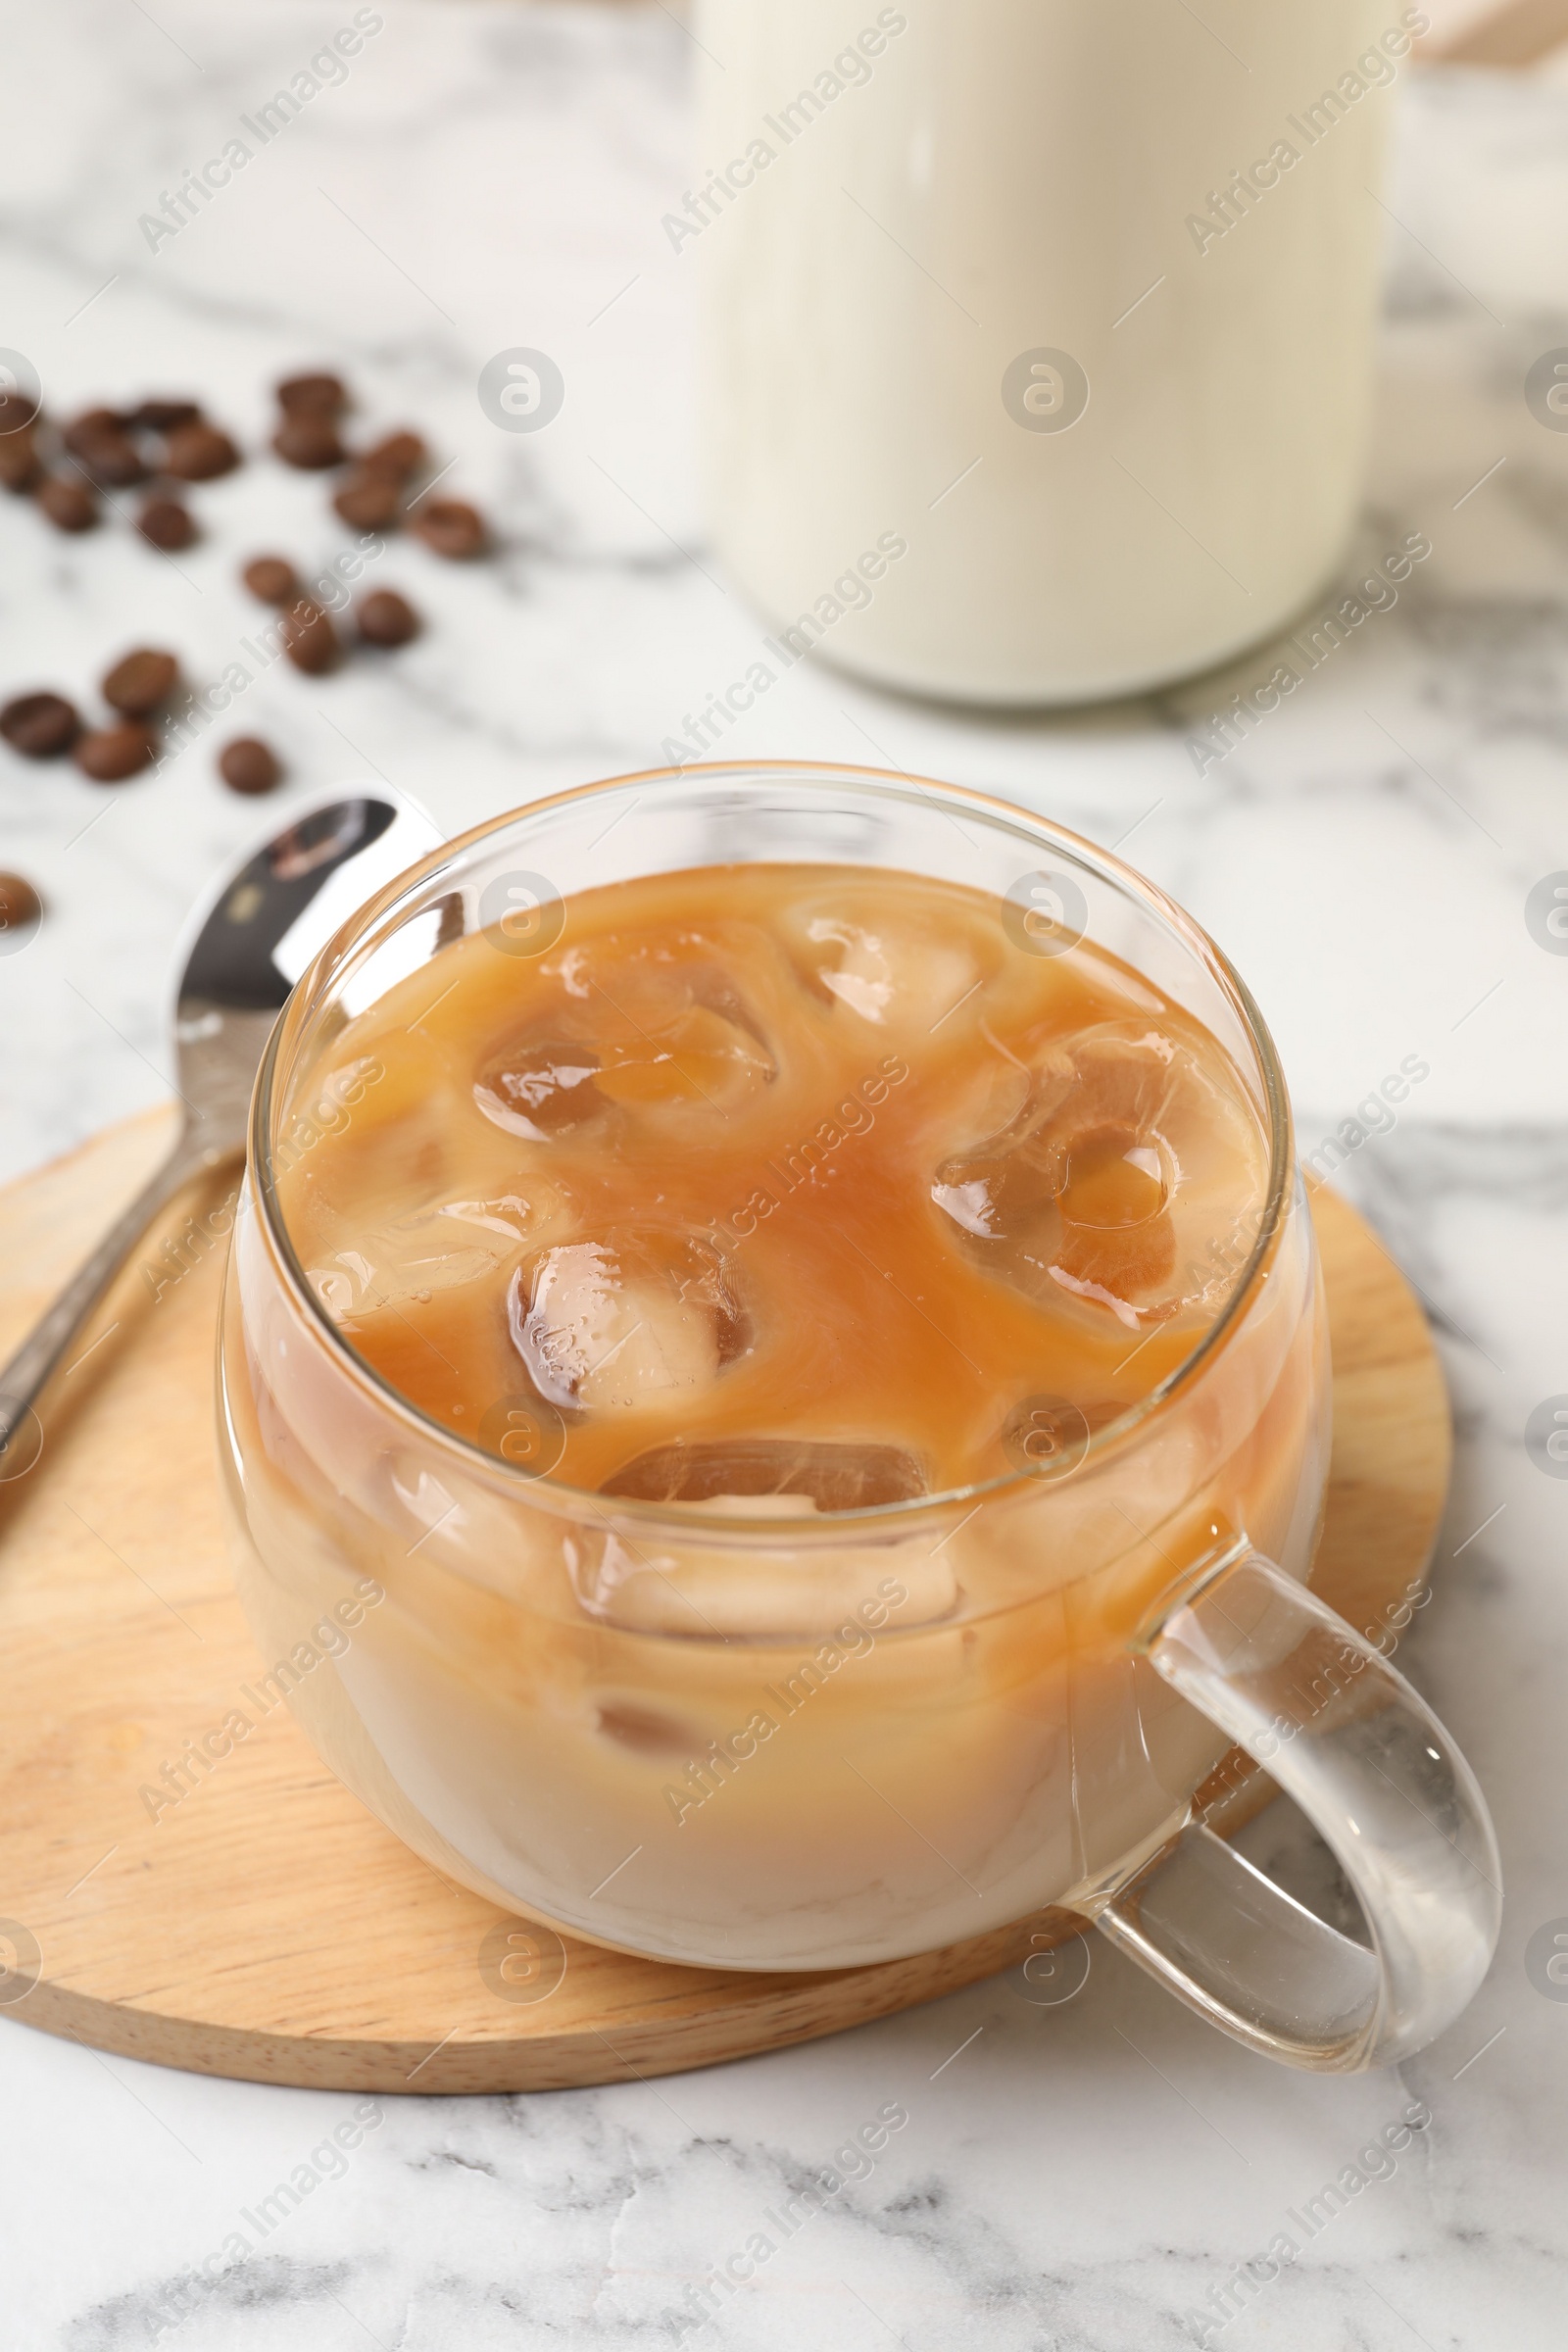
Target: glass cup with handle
{"type": "Point", "coordinates": [803, 1743]}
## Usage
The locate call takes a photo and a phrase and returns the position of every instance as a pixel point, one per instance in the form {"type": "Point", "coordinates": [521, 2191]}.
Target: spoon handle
{"type": "Point", "coordinates": [22, 1379]}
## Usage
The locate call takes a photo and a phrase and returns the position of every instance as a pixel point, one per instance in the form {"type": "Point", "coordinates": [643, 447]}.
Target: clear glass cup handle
{"type": "Point", "coordinates": [1374, 1771]}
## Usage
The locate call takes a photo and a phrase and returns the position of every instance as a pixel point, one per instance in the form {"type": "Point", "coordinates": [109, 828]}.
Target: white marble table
{"type": "Point", "coordinates": [1077, 2177]}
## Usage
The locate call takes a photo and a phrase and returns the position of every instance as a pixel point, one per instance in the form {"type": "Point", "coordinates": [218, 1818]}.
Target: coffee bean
{"type": "Point", "coordinates": [68, 504]}
{"type": "Point", "coordinates": [450, 528]}
{"type": "Point", "coordinates": [318, 392]}
{"type": "Point", "coordinates": [40, 726]}
{"type": "Point", "coordinates": [20, 907]}
{"type": "Point", "coordinates": [18, 458]}
{"type": "Point", "coordinates": [116, 462]}
{"type": "Point", "coordinates": [369, 499]}
{"type": "Point", "coordinates": [90, 426]}
{"type": "Point", "coordinates": [399, 454]}
{"type": "Point", "coordinates": [386, 618]}
{"type": "Point", "coordinates": [309, 638]}
{"type": "Point", "coordinates": [272, 579]}
{"type": "Point", "coordinates": [248, 765]}
{"type": "Point", "coordinates": [166, 523]}
{"type": "Point", "coordinates": [308, 438]}
{"type": "Point", "coordinates": [112, 458]}
{"type": "Point", "coordinates": [140, 681]}
{"type": "Point", "coordinates": [16, 412]}
{"type": "Point", "coordinates": [162, 416]}
{"type": "Point", "coordinates": [109, 755]}
{"type": "Point", "coordinates": [198, 452]}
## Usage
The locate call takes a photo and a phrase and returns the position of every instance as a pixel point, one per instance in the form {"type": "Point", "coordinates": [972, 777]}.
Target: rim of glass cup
{"type": "Point", "coordinates": [359, 936]}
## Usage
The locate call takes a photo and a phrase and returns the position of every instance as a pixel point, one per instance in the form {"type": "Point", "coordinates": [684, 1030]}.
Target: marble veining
{"type": "Point", "coordinates": [1078, 2177]}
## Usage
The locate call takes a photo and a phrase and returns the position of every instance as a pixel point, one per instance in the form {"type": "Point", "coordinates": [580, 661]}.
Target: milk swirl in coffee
{"type": "Point", "coordinates": [785, 1186]}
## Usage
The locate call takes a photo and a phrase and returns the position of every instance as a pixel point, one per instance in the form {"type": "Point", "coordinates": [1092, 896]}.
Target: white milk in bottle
{"type": "Point", "coordinates": [1037, 332]}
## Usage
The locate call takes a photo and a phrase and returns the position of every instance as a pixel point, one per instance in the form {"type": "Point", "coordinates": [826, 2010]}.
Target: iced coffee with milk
{"type": "Point", "coordinates": [742, 1336]}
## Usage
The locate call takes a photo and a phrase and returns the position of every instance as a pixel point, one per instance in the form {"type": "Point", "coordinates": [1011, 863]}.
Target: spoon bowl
{"type": "Point", "coordinates": [246, 943]}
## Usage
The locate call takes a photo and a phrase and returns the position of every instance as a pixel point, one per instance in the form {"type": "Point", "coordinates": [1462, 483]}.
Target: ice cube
{"type": "Point", "coordinates": [769, 1584]}
{"type": "Point", "coordinates": [612, 1325]}
{"type": "Point", "coordinates": [885, 965]}
{"type": "Point", "coordinates": [753, 1577]}
{"type": "Point", "coordinates": [537, 1086]}
{"type": "Point", "coordinates": [983, 1095]}
{"type": "Point", "coordinates": [759, 1586]}
{"type": "Point", "coordinates": [434, 1248]}
{"type": "Point", "coordinates": [1132, 1180]}
{"type": "Point", "coordinates": [642, 1028]}
{"type": "Point", "coordinates": [399, 1263]}
{"type": "Point", "coordinates": [525, 1215]}
{"type": "Point", "coordinates": [786, 1475]}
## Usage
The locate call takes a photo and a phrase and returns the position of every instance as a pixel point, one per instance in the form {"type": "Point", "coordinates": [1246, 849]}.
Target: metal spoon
{"type": "Point", "coordinates": [245, 946]}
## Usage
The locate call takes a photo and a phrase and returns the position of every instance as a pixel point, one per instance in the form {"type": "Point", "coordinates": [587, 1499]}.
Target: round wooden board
{"type": "Point", "coordinates": [270, 1928]}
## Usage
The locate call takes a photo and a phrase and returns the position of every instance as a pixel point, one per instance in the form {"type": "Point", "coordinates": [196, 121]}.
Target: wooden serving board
{"type": "Point", "coordinates": [267, 1927]}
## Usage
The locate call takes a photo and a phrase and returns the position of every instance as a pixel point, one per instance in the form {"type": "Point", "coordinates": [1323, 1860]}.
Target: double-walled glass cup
{"type": "Point", "coordinates": [817, 1741]}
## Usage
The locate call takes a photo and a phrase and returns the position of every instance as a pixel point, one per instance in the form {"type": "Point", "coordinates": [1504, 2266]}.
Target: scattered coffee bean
{"type": "Point", "coordinates": [109, 755]}
{"type": "Point", "coordinates": [198, 452]}
{"type": "Point", "coordinates": [308, 438]}
{"type": "Point", "coordinates": [449, 528]}
{"type": "Point", "coordinates": [318, 392]}
{"type": "Point", "coordinates": [248, 765]}
{"type": "Point", "coordinates": [140, 681]}
{"type": "Point", "coordinates": [40, 726]}
{"type": "Point", "coordinates": [162, 416]}
{"type": "Point", "coordinates": [90, 426]}
{"type": "Point", "coordinates": [111, 457]}
{"type": "Point", "coordinates": [369, 501]}
{"type": "Point", "coordinates": [18, 458]}
{"type": "Point", "coordinates": [68, 504]}
{"type": "Point", "coordinates": [166, 523]}
{"type": "Point", "coordinates": [309, 638]}
{"type": "Point", "coordinates": [272, 579]}
{"type": "Point", "coordinates": [386, 618]}
{"type": "Point", "coordinates": [401, 454]}
{"type": "Point", "coordinates": [19, 905]}
{"type": "Point", "coordinates": [116, 449]}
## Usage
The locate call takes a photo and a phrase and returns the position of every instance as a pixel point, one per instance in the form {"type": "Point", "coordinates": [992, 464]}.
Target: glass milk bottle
{"type": "Point", "coordinates": [1038, 332]}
